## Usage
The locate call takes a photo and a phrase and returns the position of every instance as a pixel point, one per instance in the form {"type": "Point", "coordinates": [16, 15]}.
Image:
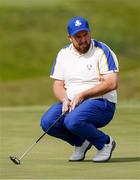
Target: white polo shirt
{"type": "Point", "coordinates": [83, 71]}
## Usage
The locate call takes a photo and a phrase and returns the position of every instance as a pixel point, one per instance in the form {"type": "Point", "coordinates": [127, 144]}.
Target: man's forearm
{"type": "Point", "coordinates": [99, 90]}
{"type": "Point", "coordinates": [60, 92]}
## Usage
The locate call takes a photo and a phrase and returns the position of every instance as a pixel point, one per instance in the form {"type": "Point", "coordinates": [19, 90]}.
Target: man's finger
{"type": "Point", "coordinates": [72, 106]}
{"type": "Point", "coordinates": [65, 106]}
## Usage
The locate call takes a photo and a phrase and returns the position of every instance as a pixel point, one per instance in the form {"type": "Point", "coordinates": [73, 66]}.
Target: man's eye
{"type": "Point", "coordinates": [78, 37]}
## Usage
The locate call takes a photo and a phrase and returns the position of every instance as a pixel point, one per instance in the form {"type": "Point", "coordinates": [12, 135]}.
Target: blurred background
{"type": "Point", "coordinates": [33, 31]}
{"type": "Point", "coordinates": [31, 34]}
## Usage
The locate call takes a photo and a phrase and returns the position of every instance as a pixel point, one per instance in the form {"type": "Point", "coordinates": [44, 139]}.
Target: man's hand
{"type": "Point", "coordinates": [65, 105]}
{"type": "Point", "coordinates": [76, 101]}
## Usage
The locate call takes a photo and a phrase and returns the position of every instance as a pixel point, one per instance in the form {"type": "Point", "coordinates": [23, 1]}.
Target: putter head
{"type": "Point", "coordinates": [15, 160]}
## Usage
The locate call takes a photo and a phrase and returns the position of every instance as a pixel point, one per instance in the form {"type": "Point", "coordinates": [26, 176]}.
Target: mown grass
{"type": "Point", "coordinates": [32, 32]}
{"type": "Point", "coordinates": [49, 158]}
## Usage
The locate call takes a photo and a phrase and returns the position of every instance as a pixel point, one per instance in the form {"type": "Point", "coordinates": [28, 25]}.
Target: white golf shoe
{"type": "Point", "coordinates": [80, 151]}
{"type": "Point", "coordinates": [105, 153]}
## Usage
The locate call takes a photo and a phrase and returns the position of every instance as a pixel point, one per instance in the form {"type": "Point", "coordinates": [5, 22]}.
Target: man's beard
{"type": "Point", "coordinates": [83, 48]}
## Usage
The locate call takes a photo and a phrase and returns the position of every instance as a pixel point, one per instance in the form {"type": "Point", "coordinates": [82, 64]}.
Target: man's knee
{"type": "Point", "coordinates": [73, 121]}
{"type": "Point", "coordinates": [45, 122]}
{"type": "Point", "coordinates": [50, 116]}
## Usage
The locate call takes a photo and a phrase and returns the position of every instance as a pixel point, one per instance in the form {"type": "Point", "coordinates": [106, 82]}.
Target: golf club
{"type": "Point", "coordinates": [16, 160]}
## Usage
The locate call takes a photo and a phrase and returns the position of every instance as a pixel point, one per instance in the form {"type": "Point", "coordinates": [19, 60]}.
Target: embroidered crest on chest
{"type": "Point", "coordinates": [89, 66]}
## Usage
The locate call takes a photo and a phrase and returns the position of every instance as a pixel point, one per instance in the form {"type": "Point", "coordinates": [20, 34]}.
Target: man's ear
{"type": "Point", "coordinates": [69, 37]}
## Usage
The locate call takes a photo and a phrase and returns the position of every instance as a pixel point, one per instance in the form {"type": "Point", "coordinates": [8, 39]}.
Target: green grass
{"type": "Point", "coordinates": [27, 92]}
{"type": "Point", "coordinates": [33, 31]}
{"type": "Point", "coordinates": [49, 159]}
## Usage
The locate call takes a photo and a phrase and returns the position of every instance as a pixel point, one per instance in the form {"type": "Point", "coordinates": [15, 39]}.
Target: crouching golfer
{"type": "Point", "coordinates": [85, 83]}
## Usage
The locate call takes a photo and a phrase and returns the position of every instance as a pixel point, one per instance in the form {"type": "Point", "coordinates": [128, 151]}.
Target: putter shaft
{"type": "Point", "coordinates": [16, 160]}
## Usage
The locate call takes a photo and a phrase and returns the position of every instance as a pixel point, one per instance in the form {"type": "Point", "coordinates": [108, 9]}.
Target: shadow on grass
{"type": "Point", "coordinates": [62, 162]}
{"type": "Point", "coordinates": [125, 159]}
{"type": "Point", "coordinates": [120, 160]}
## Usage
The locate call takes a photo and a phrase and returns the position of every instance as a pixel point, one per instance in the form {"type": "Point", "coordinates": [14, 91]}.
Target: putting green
{"type": "Point", "coordinates": [19, 128]}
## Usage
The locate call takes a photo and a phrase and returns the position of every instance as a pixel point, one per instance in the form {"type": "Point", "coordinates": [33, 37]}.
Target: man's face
{"type": "Point", "coordinates": [81, 41]}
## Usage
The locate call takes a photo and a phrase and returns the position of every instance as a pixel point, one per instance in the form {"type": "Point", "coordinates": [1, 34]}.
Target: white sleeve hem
{"type": "Point", "coordinates": [58, 78]}
{"type": "Point", "coordinates": [109, 72]}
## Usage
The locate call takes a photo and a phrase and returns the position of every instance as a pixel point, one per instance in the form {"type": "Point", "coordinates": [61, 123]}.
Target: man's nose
{"type": "Point", "coordinates": [83, 39]}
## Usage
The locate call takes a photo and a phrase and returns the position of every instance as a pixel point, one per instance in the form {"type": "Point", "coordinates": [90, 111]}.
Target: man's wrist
{"type": "Point", "coordinates": [65, 100]}
{"type": "Point", "coordinates": [84, 95]}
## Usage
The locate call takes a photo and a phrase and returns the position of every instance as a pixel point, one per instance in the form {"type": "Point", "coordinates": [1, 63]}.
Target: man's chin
{"type": "Point", "coordinates": [84, 50]}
